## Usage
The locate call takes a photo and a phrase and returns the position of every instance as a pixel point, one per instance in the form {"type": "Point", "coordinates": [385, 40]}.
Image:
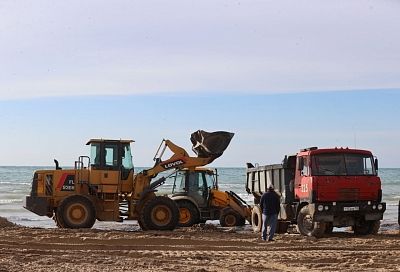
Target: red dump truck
{"type": "Point", "coordinates": [321, 189]}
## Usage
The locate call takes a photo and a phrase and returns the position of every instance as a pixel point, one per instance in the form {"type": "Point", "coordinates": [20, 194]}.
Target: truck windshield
{"type": "Point", "coordinates": [342, 165]}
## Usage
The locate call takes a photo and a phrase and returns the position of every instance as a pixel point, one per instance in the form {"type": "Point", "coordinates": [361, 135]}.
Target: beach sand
{"type": "Point", "coordinates": [200, 248]}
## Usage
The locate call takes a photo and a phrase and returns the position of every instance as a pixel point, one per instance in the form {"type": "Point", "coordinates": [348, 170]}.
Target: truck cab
{"type": "Point", "coordinates": [338, 187]}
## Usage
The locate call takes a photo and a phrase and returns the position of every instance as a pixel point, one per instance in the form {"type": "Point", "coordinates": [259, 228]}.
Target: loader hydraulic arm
{"type": "Point", "coordinates": [179, 159]}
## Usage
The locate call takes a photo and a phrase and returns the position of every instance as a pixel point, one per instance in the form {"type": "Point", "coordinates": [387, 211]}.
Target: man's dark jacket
{"type": "Point", "coordinates": [270, 203]}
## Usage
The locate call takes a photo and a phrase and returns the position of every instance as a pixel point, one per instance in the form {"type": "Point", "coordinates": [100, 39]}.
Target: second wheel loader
{"type": "Point", "coordinates": [199, 199]}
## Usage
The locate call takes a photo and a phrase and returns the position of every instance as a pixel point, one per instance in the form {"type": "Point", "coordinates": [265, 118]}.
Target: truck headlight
{"type": "Point", "coordinates": [373, 207]}
{"type": "Point", "coordinates": [380, 206]}
{"type": "Point", "coordinates": [320, 208]}
{"type": "Point", "coordinates": [326, 208]}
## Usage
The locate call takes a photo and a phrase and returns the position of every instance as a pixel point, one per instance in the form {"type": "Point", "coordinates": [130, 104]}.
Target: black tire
{"type": "Point", "coordinates": [306, 225]}
{"type": "Point", "coordinates": [367, 227]}
{"type": "Point", "coordinates": [76, 212]}
{"type": "Point", "coordinates": [398, 215]}
{"type": "Point", "coordinates": [241, 221]}
{"type": "Point", "coordinates": [282, 227]}
{"type": "Point", "coordinates": [256, 218]}
{"type": "Point", "coordinates": [58, 219]}
{"type": "Point", "coordinates": [142, 225]}
{"type": "Point", "coordinates": [329, 228]}
{"type": "Point", "coordinates": [160, 213]}
{"type": "Point", "coordinates": [229, 218]}
{"type": "Point", "coordinates": [188, 214]}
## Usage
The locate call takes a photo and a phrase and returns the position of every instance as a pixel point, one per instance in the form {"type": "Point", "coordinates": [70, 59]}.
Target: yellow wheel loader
{"type": "Point", "coordinates": [105, 187]}
{"type": "Point", "coordinates": [199, 199]}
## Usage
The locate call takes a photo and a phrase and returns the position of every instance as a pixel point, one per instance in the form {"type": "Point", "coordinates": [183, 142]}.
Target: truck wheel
{"type": "Point", "coordinates": [160, 213]}
{"type": "Point", "coordinates": [282, 226]}
{"type": "Point", "coordinates": [188, 214]}
{"type": "Point", "coordinates": [306, 225]}
{"type": "Point", "coordinates": [256, 219]}
{"type": "Point", "coordinates": [367, 227]}
{"type": "Point", "coordinates": [329, 228]}
{"type": "Point", "coordinates": [76, 212]}
{"type": "Point", "coordinates": [229, 218]}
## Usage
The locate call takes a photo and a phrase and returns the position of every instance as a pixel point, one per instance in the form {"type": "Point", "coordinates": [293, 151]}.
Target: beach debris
{"type": "Point", "coordinates": [4, 223]}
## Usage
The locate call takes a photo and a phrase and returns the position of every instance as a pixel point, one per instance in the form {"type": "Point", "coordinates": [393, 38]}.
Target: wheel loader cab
{"type": "Point", "coordinates": [111, 155]}
{"type": "Point", "coordinates": [195, 184]}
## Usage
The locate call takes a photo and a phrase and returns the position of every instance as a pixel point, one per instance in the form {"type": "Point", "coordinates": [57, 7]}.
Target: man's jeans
{"type": "Point", "coordinates": [271, 221]}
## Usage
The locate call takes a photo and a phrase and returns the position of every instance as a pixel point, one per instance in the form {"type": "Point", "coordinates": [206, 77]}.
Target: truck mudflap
{"type": "Point", "coordinates": [210, 144]}
{"type": "Point", "coordinates": [327, 212]}
{"type": "Point", "coordinates": [38, 205]}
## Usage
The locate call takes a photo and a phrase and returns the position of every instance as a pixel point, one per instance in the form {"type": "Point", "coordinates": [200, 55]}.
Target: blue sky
{"type": "Point", "coordinates": [280, 74]}
{"type": "Point", "coordinates": [266, 127]}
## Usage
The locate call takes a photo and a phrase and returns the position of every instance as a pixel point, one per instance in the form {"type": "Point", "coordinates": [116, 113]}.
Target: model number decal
{"type": "Point", "coordinates": [173, 164]}
{"type": "Point", "coordinates": [66, 183]}
{"type": "Point", "coordinates": [304, 188]}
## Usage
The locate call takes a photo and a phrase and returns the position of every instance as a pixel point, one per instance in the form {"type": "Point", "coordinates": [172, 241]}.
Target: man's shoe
{"type": "Point", "coordinates": [271, 240]}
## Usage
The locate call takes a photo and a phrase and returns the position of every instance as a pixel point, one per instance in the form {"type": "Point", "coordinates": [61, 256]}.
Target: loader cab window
{"type": "Point", "coordinates": [104, 156]}
{"type": "Point", "coordinates": [209, 181]}
{"type": "Point", "coordinates": [111, 155]}
{"type": "Point", "coordinates": [95, 156]}
{"type": "Point", "coordinates": [127, 157]}
{"type": "Point", "coordinates": [179, 183]}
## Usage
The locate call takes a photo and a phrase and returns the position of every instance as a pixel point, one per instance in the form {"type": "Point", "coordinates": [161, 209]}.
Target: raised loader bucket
{"type": "Point", "coordinates": [210, 144]}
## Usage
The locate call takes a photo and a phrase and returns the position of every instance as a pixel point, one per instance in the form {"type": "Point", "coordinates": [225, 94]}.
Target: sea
{"type": "Point", "coordinates": [15, 184]}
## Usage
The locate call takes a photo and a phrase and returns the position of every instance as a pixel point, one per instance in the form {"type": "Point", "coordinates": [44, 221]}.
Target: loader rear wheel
{"type": "Point", "coordinates": [188, 214]}
{"type": "Point", "coordinates": [160, 213]}
{"type": "Point", "coordinates": [306, 225]}
{"type": "Point", "coordinates": [256, 219]}
{"type": "Point", "coordinates": [58, 219]}
{"type": "Point", "coordinates": [76, 212]}
{"type": "Point", "coordinates": [229, 218]}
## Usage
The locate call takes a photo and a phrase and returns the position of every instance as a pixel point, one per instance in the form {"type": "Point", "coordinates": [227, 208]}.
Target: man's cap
{"type": "Point", "coordinates": [270, 187]}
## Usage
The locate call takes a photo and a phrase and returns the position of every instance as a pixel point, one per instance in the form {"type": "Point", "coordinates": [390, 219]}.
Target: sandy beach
{"type": "Point", "coordinates": [200, 248]}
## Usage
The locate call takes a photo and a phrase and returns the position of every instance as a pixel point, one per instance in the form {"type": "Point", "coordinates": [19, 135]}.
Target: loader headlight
{"type": "Point", "coordinates": [373, 207]}
{"type": "Point", "coordinates": [320, 208]}
{"type": "Point", "coordinates": [380, 206]}
{"type": "Point", "coordinates": [326, 208]}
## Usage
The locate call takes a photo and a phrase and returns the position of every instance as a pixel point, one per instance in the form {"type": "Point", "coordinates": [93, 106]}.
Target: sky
{"type": "Point", "coordinates": [281, 75]}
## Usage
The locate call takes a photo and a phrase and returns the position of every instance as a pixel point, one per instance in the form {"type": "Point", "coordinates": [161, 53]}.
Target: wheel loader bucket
{"type": "Point", "coordinates": [210, 144]}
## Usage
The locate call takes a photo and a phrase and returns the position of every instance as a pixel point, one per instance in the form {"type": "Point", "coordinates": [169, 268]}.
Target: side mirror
{"type": "Point", "coordinates": [300, 163]}
{"type": "Point", "coordinates": [376, 164]}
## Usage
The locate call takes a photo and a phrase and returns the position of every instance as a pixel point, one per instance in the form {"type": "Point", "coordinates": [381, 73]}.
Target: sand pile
{"type": "Point", "coordinates": [4, 223]}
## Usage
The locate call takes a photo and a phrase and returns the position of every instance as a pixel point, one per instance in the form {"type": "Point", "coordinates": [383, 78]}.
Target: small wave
{"type": "Point", "coordinates": [9, 201]}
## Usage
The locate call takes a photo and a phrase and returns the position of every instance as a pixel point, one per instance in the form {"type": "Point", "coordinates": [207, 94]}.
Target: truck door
{"type": "Point", "coordinates": [303, 180]}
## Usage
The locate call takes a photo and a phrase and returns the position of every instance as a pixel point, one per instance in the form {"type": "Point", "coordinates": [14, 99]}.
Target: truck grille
{"type": "Point", "coordinates": [349, 194]}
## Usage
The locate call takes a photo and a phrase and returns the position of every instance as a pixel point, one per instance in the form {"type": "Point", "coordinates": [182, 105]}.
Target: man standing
{"type": "Point", "coordinates": [270, 206]}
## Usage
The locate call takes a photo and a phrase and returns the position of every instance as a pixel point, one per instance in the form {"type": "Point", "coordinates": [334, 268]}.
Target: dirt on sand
{"type": "Point", "coordinates": [200, 248]}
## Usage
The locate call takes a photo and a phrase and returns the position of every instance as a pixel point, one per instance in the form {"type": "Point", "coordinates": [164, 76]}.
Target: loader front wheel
{"type": "Point", "coordinates": [229, 218]}
{"type": "Point", "coordinates": [188, 214]}
{"type": "Point", "coordinates": [160, 213]}
{"type": "Point", "coordinates": [76, 212]}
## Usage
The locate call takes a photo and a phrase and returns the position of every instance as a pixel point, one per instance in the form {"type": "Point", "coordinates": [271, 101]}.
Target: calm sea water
{"type": "Point", "coordinates": [15, 184]}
